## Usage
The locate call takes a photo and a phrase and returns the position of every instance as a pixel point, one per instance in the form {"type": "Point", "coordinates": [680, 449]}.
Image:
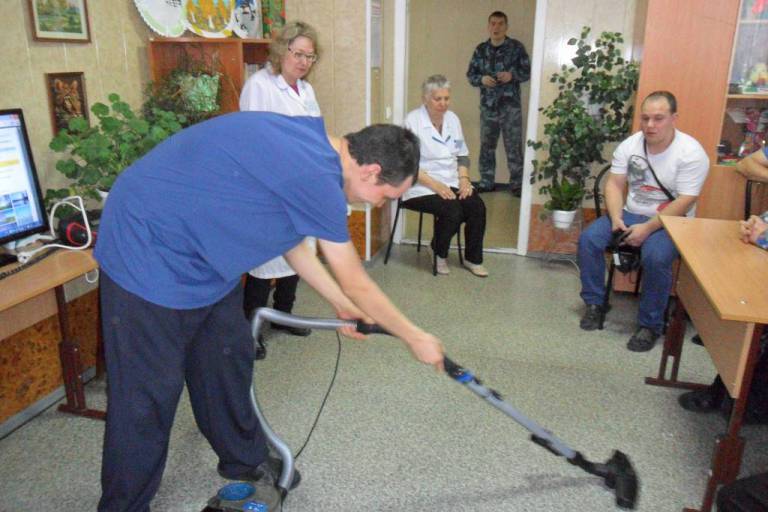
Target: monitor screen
{"type": "Point", "coordinates": [22, 211]}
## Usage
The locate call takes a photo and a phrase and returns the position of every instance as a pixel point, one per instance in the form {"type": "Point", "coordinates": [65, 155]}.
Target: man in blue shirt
{"type": "Point", "coordinates": [180, 228]}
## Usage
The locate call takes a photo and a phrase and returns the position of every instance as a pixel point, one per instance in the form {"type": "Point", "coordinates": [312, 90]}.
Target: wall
{"type": "Point", "coordinates": [564, 20]}
{"type": "Point", "coordinates": [339, 76]}
{"type": "Point", "coordinates": [114, 61]}
{"type": "Point", "coordinates": [443, 34]}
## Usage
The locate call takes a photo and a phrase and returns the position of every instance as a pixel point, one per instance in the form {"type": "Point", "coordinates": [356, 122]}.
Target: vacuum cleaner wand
{"type": "Point", "coordinates": [617, 472]}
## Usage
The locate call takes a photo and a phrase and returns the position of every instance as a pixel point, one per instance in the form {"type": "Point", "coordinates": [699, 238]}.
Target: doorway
{"type": "Point", "coordinates": [441, 37]}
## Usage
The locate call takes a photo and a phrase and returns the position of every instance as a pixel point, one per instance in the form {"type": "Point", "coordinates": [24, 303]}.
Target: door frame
{"type": "Point", "coordinates": [400, 74]}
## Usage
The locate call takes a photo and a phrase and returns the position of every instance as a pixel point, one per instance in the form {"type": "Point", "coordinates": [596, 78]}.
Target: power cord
{"type": "Point", "coordinates": [25, 256]}
{"type": "Point", "coordinates": [31, 261]}
{"type": "Point", "coordinates": [325, 398]}
{"type": "Point", "coordinates": [322, 404]}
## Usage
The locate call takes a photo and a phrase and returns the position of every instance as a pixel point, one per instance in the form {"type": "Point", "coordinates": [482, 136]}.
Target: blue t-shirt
{"type": "Point", "coordinates": [183, 223]}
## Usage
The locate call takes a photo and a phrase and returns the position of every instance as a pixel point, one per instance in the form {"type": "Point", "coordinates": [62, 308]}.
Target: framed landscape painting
{"type": "Point", "coordinates": [59, 20]}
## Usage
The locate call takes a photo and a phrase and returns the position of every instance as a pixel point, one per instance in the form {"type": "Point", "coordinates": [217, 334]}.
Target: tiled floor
{"type": "Point", "coordinates": [397, 436]}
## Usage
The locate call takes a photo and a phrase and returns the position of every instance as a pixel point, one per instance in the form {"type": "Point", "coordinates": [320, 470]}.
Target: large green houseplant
{"type": "Point", "coordinates": [95, 154]}
{"type": "Point", "coordinates": [592, 108]}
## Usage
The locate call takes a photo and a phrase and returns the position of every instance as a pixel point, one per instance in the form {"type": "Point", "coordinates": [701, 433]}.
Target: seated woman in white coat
{"type": "Point", "coordinates": [280, 87]}
{"type": "Point", "coordinates": [443, 188]}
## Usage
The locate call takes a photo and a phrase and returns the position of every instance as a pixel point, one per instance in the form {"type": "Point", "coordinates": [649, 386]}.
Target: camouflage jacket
{"type": "Point", "coordinates": [510, 56]}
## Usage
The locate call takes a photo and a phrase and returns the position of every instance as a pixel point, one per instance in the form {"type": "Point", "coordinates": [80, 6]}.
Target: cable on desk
{"type": "Point", "coordinates": [32, 261]}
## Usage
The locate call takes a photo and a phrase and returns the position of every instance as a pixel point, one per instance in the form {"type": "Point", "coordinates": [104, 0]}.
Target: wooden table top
{"type": "Point", "coordinates": [55, 270]}
{"type": "Point", "coordinates": [731, 273]}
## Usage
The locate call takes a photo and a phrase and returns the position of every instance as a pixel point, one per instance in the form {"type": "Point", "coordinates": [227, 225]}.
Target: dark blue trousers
{"type": "Point", "coordinates": [150, 352]}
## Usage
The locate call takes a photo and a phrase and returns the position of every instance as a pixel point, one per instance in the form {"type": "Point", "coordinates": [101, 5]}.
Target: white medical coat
{"type": "Point", "coordinates": [439, 152]}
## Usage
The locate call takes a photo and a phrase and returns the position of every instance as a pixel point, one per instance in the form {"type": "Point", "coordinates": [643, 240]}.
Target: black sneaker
{"type": "Point", "coordinates": [266, 473]}
{"type": "Point", "coordinates": [643, 340]}
{"type": "Point", "coordinates": [296, 331]}
{"type": "Point", "coordinates": [593, 317]}
{"type": "Point", "coordinates": [481, 187]}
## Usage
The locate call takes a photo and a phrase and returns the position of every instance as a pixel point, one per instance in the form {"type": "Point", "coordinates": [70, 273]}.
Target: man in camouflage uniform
{"type": "Point", "coordinates": [498, 66]}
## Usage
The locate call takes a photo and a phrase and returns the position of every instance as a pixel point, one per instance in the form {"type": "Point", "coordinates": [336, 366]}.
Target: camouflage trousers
{"type": "Point", "coordinates": [508, 122]}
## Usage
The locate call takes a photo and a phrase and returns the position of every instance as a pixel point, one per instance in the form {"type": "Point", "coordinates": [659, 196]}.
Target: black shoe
{"type": "Point", "coordinates": [481, 187]}
{"type": "Point", "coordinates": [643, 340]}
{"type": "Point", "coordinates": [261, 350]}
{"type": "Point", "coordinates": [593, 317]}
{"type": "Point", "coordinates": [700, 400]}
{"type": "Point", "coordinates": [266, 473]}
{"type": "Point", "coordinates": [696, 340]}
{"type": "Point", "coordinates": [296, 331]}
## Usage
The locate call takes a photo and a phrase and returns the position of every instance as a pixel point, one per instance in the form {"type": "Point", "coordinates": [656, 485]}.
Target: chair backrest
{"type": "Point", "coordinates": [597, 192]}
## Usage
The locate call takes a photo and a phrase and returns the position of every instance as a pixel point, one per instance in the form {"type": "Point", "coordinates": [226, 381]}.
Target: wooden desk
{"type": "Point", "coordinates": [51, 274]}
{"type": "Point", "coordinates": [720, 285]}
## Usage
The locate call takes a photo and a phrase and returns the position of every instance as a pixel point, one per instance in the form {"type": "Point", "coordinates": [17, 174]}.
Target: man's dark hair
{"type": "Point", "coordinates": [498, 14]}
{"type": "Point", "coordinates": [657, 95]}
{"type": "Point", "coordinates": [394, 148]}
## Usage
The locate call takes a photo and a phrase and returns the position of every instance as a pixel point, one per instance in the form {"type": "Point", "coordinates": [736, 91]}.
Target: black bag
{"type": "Point", "coordinates": [748, 494]}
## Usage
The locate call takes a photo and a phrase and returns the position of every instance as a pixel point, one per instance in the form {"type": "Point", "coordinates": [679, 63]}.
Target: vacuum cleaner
{"type": "Point", "coordinates": [617, 472]}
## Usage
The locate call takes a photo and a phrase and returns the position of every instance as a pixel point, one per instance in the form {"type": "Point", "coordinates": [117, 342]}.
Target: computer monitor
{"type": "Point", "coordinates": [22, 211]}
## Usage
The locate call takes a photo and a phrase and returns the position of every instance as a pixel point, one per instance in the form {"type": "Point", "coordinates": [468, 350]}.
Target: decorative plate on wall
{"type": "Point", "coordinates": [247, 21]}
{"type": "Point", "coordinates": [166, 17]}
{"type": "Point", "coordinates": [210, 18]}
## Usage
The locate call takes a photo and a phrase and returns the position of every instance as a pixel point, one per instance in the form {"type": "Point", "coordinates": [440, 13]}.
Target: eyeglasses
{"type": "Point", "coordinates": [309, 57]}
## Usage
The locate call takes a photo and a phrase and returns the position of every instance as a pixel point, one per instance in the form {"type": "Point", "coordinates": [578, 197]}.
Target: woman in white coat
{"type": "Point", "coordinates": [443, 187]}
{"type": "Point", "coordinates": [280, 87]}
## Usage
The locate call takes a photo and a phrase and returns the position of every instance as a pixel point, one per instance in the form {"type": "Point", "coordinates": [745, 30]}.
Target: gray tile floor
{"type": "Point", "coordinates": [395, 435]}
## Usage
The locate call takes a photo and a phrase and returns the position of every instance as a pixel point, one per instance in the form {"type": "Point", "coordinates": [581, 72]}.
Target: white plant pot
{"type": "Point", "coordinates": [103, 194]}
{"type": "Point", "coordinates": [563, 219]}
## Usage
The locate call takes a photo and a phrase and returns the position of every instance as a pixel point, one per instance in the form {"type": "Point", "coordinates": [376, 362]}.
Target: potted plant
{"type": "Point", "coordinates": [96, 155]}
{"type": "Point", "coordinates": [193, 89]}
{"type": "Point", "coordinates": [592, 108]}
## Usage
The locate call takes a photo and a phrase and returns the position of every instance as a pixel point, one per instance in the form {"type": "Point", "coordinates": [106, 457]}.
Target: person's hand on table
{"type": "Point", "coordinates": [751, 229]}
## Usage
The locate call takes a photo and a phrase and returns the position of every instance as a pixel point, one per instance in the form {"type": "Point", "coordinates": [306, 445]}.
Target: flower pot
{"type": "Point", "coordinates": [103, 194]}
{"type": "Point", "coordinates": [563, 219]}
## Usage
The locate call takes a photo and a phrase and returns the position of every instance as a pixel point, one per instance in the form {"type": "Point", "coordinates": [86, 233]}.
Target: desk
{"type": "Point", "coordinates": [51, 274]}
{"type": "Point", "coordinates": [720, 285]}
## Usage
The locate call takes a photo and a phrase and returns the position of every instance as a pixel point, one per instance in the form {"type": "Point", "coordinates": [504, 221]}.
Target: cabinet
{"type": "Point", "coordinates": [691, 48]}
{"type": "Point", "coordinates": [745, 118]}
{"type": "Point", "coordinates": [230, 56]}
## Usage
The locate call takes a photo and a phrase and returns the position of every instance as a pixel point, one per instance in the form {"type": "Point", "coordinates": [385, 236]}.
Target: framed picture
{"type": "Point", "coordinates": [59, 20]}
{"type": "Point", "coordinates": [66, 98]}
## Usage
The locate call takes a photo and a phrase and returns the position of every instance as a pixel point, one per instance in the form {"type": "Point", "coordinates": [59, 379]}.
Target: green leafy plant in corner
{"type": "Point", "coordinates": [94, 155]}
{"type": "Point", "coordinates": [592, 108]}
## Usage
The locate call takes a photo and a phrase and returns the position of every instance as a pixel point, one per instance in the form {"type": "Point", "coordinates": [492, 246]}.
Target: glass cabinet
{"type": "Point", "coordinates": [746, 114]}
